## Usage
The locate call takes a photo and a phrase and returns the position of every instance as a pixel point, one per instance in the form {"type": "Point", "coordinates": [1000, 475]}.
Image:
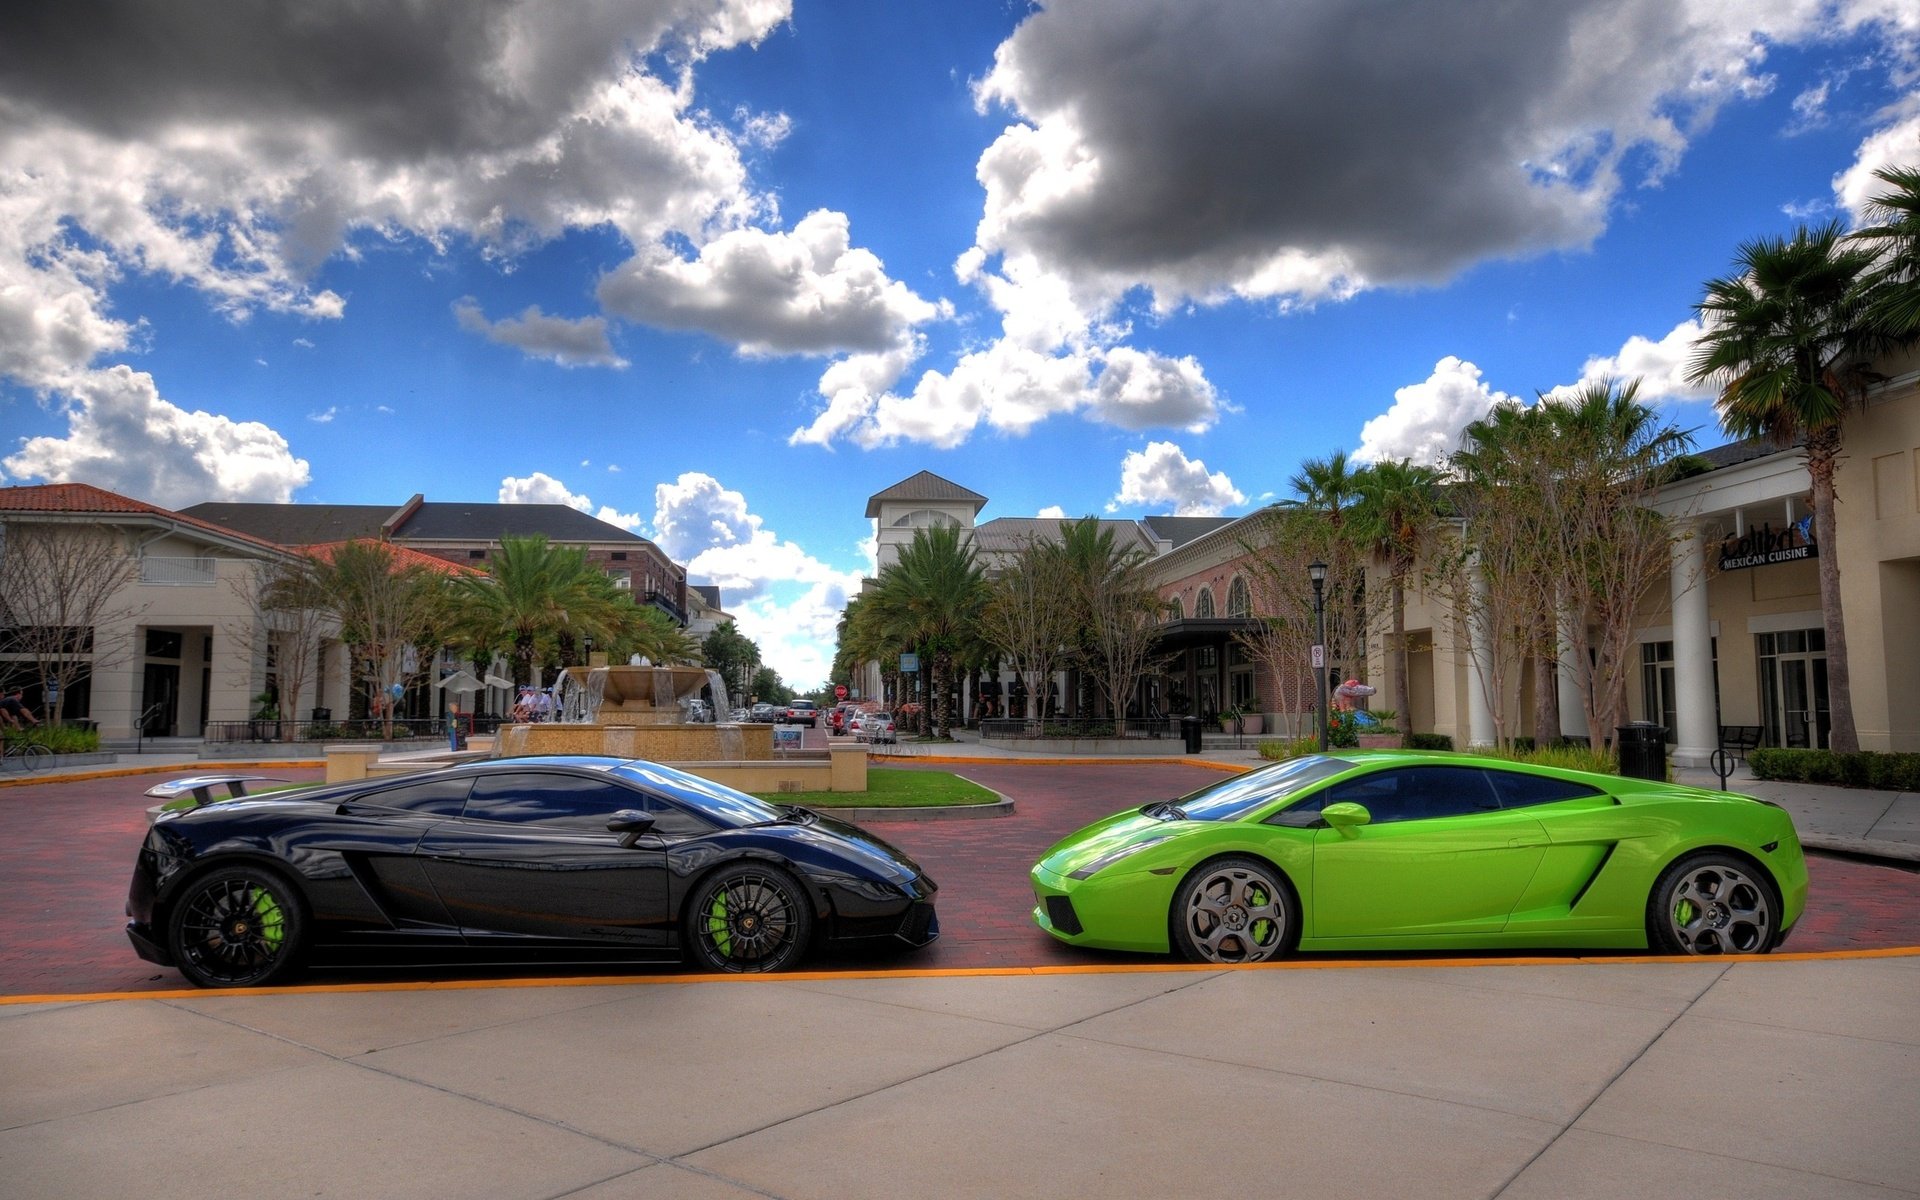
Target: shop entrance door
{"type": "Point", "coordinates": [1793, 684]}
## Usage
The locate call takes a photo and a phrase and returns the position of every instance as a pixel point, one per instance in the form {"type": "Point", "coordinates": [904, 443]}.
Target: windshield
{"type": "Point", "coordinates": [722, 805]}
{"type": "Point", "coordinates": [1242, 794]}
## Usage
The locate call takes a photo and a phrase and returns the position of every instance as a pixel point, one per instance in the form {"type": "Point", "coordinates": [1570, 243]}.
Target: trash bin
{"type": "Point", "coordinates": [1190, 733]}
{"type": "Point", "coordinates": [1643, 750]}
{"type": "Point", "coordinates": [322, 716]}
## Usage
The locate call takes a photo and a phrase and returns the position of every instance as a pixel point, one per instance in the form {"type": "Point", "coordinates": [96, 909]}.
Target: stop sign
{"type": "Point", "coordinates": [840, 691]}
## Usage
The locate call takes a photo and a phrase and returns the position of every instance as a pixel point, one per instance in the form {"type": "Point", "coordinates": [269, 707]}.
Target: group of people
{"type": "Point", "coordinates": [14, 713]}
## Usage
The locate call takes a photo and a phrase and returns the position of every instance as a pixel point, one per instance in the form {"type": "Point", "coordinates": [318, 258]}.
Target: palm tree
{"type": "Point", "coordinates": [536, 593]}
{"type": "Point", "coordinates": [1328, 485]}
{"type": "Point", "coordinates": [1785, 339]}
{"type": "Point", "coordinates": [1892, 283]}
{"type": "Point", "coordinates": [1397, 512]}
{"type": "Point", "coordinates": [933, 594]}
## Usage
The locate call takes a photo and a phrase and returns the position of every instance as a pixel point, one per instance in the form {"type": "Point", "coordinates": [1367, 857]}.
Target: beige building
{"type": "Point", "coordinates": [179, 645]}
{"type": "Point", "coordinates": [1734, 636]}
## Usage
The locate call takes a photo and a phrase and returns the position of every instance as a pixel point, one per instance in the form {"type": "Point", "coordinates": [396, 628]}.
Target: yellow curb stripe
{"type": "Point", "coordinates": [161, 768]}
{"type": "Point", "coordinates": [945, 759]}
{"type": "Point", "coordinates": [464, 985]}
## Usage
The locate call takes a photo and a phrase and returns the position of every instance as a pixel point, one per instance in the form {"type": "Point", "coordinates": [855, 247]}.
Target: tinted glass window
{"type": "Point", "coordinates": [1518, 790]}
{"type": "Point", "coordinates": [436, 797]}
{"type": "Point", "coordinates": [1417, 793]}
{"type": "Point", "coordinates": [566, 801]}
{"type": "Point", "coordinates": [703, 797]}
{"type": "Point", "coordinates": [1242, 794]}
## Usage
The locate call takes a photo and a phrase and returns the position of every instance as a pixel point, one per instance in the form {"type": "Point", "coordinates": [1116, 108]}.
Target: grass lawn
{"type": "Point", "coordinates": [894, 788]}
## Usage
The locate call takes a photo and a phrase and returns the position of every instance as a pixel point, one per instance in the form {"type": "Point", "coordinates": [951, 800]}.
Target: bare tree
{"type": "Point", "coordinates": [1123, 614]}
{"type": "Point", "coordinates": [1029, 616]}
{"type": "Point", "coordinates": [58, 584]}
{"type": "Point", "coordinates": [1282, 545]}
{"type": "Point", "coordinates": [287, 620]}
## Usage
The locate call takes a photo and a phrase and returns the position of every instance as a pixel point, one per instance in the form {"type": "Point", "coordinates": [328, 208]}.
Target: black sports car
{"type": "Point", "coordinates": [557, 858]}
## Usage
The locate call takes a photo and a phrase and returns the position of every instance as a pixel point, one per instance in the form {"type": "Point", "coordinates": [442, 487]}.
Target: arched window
{"type": "Point", "coordinates": [1203, 604]}
{"type": "Point", "coordinates": [924, 518]}
{"type": "Point", "coordinates": [1176, 610]}
{"type": "Point", "coordinates": [1237, 605]}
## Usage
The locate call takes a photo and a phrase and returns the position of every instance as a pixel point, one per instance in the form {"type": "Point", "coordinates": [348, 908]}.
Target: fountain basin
{"type": "Point", "coordinates": [656, 743]}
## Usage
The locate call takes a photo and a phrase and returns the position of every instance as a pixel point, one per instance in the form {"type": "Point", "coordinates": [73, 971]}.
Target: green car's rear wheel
{"type": "Point", "coordinates": [236, 927]}
{"type": "Point", "coordinates": [1712, 904]}
{"type": "Point", "coordinates": [1233, 910]}
{"type": "Point", "coordinates": [748, 917]}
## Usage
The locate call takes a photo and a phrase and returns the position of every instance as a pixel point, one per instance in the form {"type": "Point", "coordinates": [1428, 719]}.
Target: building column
{"type": "Point", "coordinates": [1480, 672]}
{"type": "Point", "coordinates": [1571, 682]}
{"type": "Point", "coordinates": [1698, 734]}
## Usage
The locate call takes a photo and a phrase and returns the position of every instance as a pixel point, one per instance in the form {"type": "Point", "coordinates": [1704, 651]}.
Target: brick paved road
{"type": "Point", "coordinates": [69, 848]}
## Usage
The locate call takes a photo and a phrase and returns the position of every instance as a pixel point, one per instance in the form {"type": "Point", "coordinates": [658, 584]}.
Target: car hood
{"type": "Point", "coordinates": [1117, 833]}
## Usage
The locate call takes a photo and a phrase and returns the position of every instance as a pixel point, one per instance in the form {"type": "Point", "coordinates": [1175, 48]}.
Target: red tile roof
{"type": "Point", "coordinates": [86, 498]}
{"type": "Point", "coordinates": [405, 556]}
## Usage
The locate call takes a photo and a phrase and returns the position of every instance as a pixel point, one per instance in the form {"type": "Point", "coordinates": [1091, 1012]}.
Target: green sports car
{"type": "Point", "coordinates": [1407, 851]}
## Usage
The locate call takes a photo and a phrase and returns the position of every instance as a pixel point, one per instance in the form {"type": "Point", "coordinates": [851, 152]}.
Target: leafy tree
{"type": "Point", "coordinates": [537, 596]}
{"type": "Point", "coordinates": [1786, 337]}
{"type": "Point", "coordinates": [388, 613]}
{"type": "Point", "coordinates": [1030, 616]}
{"type": "Point", "coordinates": [768, 687]}
{"type": "Point", "coordinates": [1396, 517]}
{"type": "Point", "coordinates": [735, 656]}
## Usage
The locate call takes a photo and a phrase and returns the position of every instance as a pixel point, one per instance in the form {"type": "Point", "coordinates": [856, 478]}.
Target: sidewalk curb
{"type": "Point", "coordinates": [158, 768]}
{"type": "Point", "coordinates": [1893, 852]}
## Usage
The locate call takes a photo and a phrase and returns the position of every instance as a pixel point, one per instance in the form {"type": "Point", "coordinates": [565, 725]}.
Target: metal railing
{"type": "Point", "coordinates": [324, 731]}
{"type": "Point", "coordinates": [177, 572]}
{"type": "Point", "coordinates": [1065, 727]}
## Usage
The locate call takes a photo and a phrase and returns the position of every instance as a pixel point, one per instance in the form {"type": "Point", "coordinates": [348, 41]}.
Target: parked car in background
{"type": "Point", "coordinates": [764, 713]}
{"type": "Point", "coordinates": [801, 712]}
{"type": "Point", "coordinates": [874, 727]}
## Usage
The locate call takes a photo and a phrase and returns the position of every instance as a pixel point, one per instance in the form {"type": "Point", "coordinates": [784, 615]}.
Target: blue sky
{"type": "Point", "coordinates": [717, 270]}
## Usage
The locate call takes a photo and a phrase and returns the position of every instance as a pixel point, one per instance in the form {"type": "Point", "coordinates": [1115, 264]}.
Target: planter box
{"type": "Point", "coordinates": [1380, 741]}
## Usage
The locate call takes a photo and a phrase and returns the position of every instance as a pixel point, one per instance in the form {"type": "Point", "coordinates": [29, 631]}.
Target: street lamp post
{"type": "Point", "coordinates": [587, 642]}
{"type": "Point", "coordinates": [1317, 572]}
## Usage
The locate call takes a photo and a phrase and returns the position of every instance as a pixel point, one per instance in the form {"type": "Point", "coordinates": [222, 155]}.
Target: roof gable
{"type": "Point", "coordinates": [927, 488]}
{"type": "Point", "coordinates": [85, 498]}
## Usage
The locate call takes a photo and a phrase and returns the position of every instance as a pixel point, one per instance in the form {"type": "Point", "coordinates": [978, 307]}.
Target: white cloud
{"type": "Point", "coordinates": [580, 342]}
{"type": "Point", "coordinates": [805, 292]}
{"type": "Point", "coordinates": [542, 488]}
{"type": "Point", "coordinates": [123, 437]}
{"type": "Point", "coordinates": [324, 418]}
{"type": "Point", "coordinates": [1895, 144]}
{"type": "Point", "coordinates": [1661, 367]}
{"type": "Point", "coordinates": [1426, 418]}
{"type": "Point", "coordinates": [1162, 474]}
{"type": "Point", "coordinates": [783, 598]}
{"type": "Point", "coordinates": [1052, 512]}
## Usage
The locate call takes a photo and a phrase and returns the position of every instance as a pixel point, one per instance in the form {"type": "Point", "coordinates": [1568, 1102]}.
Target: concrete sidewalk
{"type": "Point", "coordinates": [1752, 1079]}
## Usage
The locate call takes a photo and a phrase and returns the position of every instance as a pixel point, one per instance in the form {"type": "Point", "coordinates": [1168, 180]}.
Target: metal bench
{"type": "Point", "coordinates": [1739, 740]}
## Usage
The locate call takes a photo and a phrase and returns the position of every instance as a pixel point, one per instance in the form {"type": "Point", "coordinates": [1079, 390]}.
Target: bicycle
{"type": "Point", "coordinates": [27, 757]}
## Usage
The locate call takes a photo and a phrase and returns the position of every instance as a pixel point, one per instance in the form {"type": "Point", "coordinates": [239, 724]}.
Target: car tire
{"type": "Point", "coordinates": [748, 917]}
{"type": "Point", "coordinates": [1234, 910]}
{"type": "Point", "coordinates": [236, 926]}
{"type": "Point", "coordinates": [1713, 903]}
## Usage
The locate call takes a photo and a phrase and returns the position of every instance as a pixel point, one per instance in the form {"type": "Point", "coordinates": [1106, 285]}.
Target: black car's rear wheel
{"type": "Point", "coordinates": [1712, 904]}
{"type": "Point", "coordinates": [236, 927]}
{"type": "Point", "coordinates": [1234, 910]}
{"type": "Point", "coordinates": [748, 917]}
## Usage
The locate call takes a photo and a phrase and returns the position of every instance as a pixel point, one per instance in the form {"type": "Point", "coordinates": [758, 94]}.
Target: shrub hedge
{"type": "Point", "coordinates": [1862, 769]}
{"type": "Point", "coordinates": [61, 739]}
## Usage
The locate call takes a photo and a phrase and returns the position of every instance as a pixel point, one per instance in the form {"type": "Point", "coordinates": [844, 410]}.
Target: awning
{"type": "Point", "coordinates": [495, 681]}
{"type": "Point", "coordinates": [460, 682]}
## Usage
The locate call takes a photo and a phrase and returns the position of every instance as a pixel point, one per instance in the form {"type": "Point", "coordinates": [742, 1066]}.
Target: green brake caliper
{"type": "Point", "coordinates": [717, 924]}
{"type": "Point", "coordinates": [1683, 913]}
{"type": "Point", "coordinates": [1263, 925]}
{"type": "Point", "coordinates": [273, 919]}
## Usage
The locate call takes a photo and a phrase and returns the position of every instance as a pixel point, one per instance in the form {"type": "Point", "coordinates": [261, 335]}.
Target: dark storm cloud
{"type": "Point", "coordinates": [394, 79]}
{"type": "Point", "coordinates": [1399, 141]}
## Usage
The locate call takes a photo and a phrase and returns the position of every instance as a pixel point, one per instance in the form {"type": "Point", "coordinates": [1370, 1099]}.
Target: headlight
{"type": "Point", "coordinates": [871, 889]}
{"type": "Point", "coordinates": [1113, 856]}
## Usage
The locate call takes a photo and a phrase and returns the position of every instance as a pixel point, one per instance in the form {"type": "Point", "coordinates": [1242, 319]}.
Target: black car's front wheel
{"type": "Point", "coordinates": [236, 926]}
{"type": "Point", "coordinates": [748, 917]}
{"type": "Point", "coordinates": [1233, 910]}
{"type": "Point", "coordinates": [1712, 904]}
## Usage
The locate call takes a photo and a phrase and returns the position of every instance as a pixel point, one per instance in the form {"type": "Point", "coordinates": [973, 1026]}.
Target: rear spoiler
{"type": "Point", "coordinates": [200, 787]}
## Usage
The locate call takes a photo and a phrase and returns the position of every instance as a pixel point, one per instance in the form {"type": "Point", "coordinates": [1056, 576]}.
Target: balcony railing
{"type": "Point", "coordinates": [177, 572]}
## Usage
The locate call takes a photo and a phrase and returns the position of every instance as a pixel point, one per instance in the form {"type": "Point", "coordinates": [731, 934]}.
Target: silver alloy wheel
{"type": "Point", "coordinates": [1236, 914]}
{"type": "Point", "coordinates": [1715, 909]}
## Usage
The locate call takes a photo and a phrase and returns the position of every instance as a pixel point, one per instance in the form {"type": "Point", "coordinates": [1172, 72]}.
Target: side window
{"type": "Point", "coordinates": [1418, 793]}
{"type": "Point", "coordinates": [539, 798]}
{"type": "Point", "coordinates": [435, 797]}
{"type": "Point", "coordinates": [1303, 813]}
{"type": "Point", "coordinates": [1518, 790]}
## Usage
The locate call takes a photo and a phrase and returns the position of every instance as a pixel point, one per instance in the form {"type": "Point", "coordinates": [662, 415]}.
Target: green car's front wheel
{"type": "Point", "coordinates": [1712, 904]}
{"type": "Point", "coordinates": [1234, 910]}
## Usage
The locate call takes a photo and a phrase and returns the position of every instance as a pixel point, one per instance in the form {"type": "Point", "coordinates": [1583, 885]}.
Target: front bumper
{"type": "Point", "coordinates": [146, 946]}
{"type": "Point", "coordinates": [1118, 911]}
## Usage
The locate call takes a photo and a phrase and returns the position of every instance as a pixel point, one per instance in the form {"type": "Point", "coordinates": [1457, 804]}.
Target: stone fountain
{"type": "Point", "coordinates": [637, 711]}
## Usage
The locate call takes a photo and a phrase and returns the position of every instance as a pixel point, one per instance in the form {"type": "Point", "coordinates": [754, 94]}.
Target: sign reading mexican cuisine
{"type": "Point", "coordinates": [1763, 546]}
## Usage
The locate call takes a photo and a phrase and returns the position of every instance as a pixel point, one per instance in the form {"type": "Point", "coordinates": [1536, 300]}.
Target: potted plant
{"type": "Point", "coordinates": [1253, 718]}
{"type": "Point", "coordinates": [1378, 731]}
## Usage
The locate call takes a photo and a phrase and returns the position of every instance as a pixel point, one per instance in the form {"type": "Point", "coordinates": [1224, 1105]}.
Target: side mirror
{"type": "Point", "coordinates": [629, 823]}
{"type": "Point", "coordinates": [1346, 817]}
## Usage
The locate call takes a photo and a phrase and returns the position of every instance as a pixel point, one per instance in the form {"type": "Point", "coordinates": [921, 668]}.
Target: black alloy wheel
{"type": "Point", "coordinates": [236, 927]}
{"type": "Point", "coordinates": [749, 917]}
